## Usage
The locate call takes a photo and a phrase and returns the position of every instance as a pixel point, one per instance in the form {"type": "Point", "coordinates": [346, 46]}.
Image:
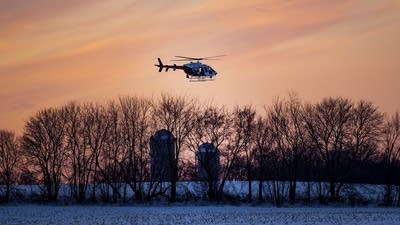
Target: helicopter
{"type": "Point", "coordinates": [193, 69]}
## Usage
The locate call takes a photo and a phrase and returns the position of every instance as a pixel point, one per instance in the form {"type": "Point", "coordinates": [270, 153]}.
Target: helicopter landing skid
{"type": "Point", "coordinates": [200, 79]}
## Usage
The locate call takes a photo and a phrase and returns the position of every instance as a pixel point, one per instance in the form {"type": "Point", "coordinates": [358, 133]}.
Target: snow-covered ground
{"type": "Point", "coordinates": [238, 189]}
{"type": "Point", "coordinates": [193, 215]}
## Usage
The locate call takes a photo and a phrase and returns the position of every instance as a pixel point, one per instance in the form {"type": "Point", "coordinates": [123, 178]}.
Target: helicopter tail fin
{"type": "Point", "coordinates": [160, 65]}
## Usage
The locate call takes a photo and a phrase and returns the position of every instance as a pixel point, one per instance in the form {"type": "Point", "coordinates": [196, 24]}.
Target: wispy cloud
{"type": "Point", "coordinates": [52, 51]}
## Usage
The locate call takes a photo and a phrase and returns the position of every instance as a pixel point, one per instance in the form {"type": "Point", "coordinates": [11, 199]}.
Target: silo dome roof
{"type": "Point", "coordinates": [207, 147]}
{"type": "Point", "coordinates": [163, 134]}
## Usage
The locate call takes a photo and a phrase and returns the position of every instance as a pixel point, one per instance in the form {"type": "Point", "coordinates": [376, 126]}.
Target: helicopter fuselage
{"type": "Point", "coordinates": [196, 70]}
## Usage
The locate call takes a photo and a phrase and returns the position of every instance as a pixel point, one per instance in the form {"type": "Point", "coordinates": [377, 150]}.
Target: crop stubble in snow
{"type": "Point", "coordinates": [193, 215]}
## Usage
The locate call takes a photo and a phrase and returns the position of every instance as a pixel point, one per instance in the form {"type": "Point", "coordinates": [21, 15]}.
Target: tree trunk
{"type": "Point", "coordinates": [388, 195]}
{"type": "Point", "coordinates": [398, 195]}
{"type": "Point", "coordinates": [249, 196]}
{"type": "Point", "coordinates": [212, 190]}
{"type": "Point", "coordinates": [332, 191]}
{"type": "Point", "coordinates": [320, 193]}
{"type": "Point", "coordinates": [292, 192]}
{"type": "Point", "coordinates": [8, 187]}
{"type": "Point", "coordinates": [138, 195]}
{"type": "Point", "coordinates": [94, 185]}
{"type": "Point", "coordinates": [308, 192]}
{"type": "Point", "coordinates": [260, 190]}
{"type": "Point", "coordinates": [173, 191]}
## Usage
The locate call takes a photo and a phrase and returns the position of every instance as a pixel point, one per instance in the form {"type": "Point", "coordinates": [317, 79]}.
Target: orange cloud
{"type": "Point", "coordinates": [52, 52]}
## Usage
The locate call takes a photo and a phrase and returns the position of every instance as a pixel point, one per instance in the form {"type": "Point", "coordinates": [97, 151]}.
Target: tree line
{"type": "Point", "coordinates": [93, 146]}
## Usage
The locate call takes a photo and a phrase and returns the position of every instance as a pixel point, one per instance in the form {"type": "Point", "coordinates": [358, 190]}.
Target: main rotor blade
{"type": "Point", "coordinates": [199, 58]}
{"type": "Point", "coordinates": [215, 56]}
{"type": "Point", "coordinates": [185, 57]}
{"type": "Point", "coordinates": [186, 60]}
{"type": "Point", "coordinates": [181, 59]}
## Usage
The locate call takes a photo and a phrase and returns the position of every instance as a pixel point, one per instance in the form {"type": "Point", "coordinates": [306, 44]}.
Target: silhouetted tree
{"type": "Point", "coordinates": [81, 159]}
{"type": "Point", "coordinates": [342, 133]}
{"type": "Point", "coordinates": [9, 157]}
{"type": "Point", "coordinates": [212, 126]}
{"type": "Point", "coordinates": [238, 146]}
{"type": "Point", "coordinates": [96, 128]}
{"type": "Point", "coordinates": [328, 124]}
{"type": "Point", "coordinates": [136, 130]}
{"type": "Point", "coordinates": [276, 186]}
{"type": "Point", "coordinates": [331, 142]}
{"type": "Point", "coordinates": [27, 175]}
{"type": "Point", "coordinates": [288, 130]}
{"type": "Point", "coordinates": [44, 144]}
{"type": "Point", "coordinates": [110, 160]}
{"type": "Point", "coordinates": [364, 135]}
{"type": "Point", "coordinates": [262, 150]}
{"type": "Point", "coordinates": [244, 129]}
{"type": "Point", "coordinates": [313, 170]}
{"type": "Point", "coordinates": [391, 154]}
{"type": "Point", "coordinates": [177, 115]}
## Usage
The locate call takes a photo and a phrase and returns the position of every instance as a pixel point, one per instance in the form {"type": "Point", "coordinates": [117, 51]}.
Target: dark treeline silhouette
{"type": "Point", "coordinates": [99, 150]}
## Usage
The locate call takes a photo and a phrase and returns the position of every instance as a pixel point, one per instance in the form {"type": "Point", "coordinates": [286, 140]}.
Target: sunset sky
{"type": "Point", "coordinates": [54, 51]}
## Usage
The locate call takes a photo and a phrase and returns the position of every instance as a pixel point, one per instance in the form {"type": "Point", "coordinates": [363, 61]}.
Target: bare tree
{"type": "Point", "coordinates": [110, 160]}
{"type": "Point", "coordinates": [242, 125]}
{"type": "Point", "coordinates": [81, 159]}
{"type": "Point", "coordinates": [244, 128]}
{"type": "Point", "coordinates": [213, 127]}
{"type": "Point", "coordinates": [9, 157]}
{"type": "Point", "coordinates": [136, 132]}
{"type": "Point", "coordinates": [328, 125]}
{"type": "Point", "coordinates": [288, 129]}
{"type": "Point", "coordinates": [312, 164]}
{"type": "Point", "coordinates": [391, 154]}
{"type": "Point", "coordinates": [177, 115]}
{"type": "Point", "coordinates": [109, 145]}
{"type": "Point", "coordinates": [365, 131]}
{"type": "Point", "coordinates": [342, 133]}
{"type": "Point", "coordinates": [44, 144]}
{"type": "Point", "coordinates": [96, 128]}
{"type": "Point", "coordinates": [262, 151]}
{"type": "Point", "coordinates": [364, 135]}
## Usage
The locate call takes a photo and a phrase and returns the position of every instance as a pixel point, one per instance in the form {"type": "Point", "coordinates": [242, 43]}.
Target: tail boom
{"type": "Point", "coordinates": [160, 65]}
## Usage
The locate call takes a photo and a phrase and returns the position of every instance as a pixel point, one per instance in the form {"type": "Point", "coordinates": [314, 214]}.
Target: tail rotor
{"type": "Point", "coordinates": [160, 65]}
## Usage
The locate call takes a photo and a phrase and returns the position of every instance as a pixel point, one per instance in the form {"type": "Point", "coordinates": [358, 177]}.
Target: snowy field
{"type": "Point", "coordinates": [193, 215]}
{"type": "Point", "coordinates": [237, 189]}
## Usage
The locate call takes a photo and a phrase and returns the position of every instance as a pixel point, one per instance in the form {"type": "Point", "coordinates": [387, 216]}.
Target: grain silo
{"type": "Point", "coordinates": [162, 150]}
{"type": "Point", "coordinates": [208, 162]}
